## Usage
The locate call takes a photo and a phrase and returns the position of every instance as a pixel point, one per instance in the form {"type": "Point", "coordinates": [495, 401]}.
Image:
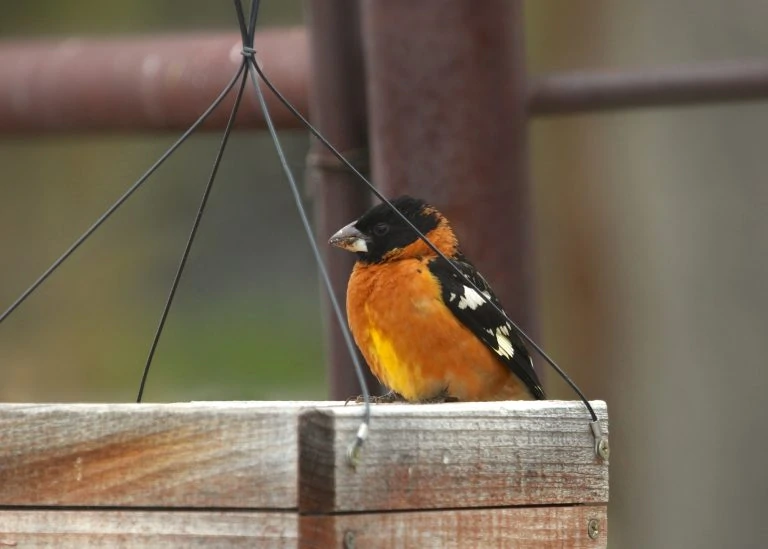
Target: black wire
{"type": "Point", "coordinates": [316, 251]}
{"type": "Point", "coordinates": [244, 30]}
{"type": "Point", "coordinates": [133, 188]}
{"type": "Point", "coordinates": [252, 21]}
{"type": "Point", "coordinates": [361, 435]}
{"type": "Point", "coordinates": [247, 33]}
{"type": "Point", "coordinates": [381, 197]}
{"type": "Point", "coordinates": [193, 232]}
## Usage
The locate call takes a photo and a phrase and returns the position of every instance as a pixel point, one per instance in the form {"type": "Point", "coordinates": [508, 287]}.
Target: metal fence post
{"type": "Point", "coordinates": [338, 103]}
{"type": "Point", "coordinates": [447, 94]}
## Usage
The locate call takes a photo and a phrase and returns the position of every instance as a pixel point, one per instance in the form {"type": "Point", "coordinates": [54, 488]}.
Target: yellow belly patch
{"type": "Point", "coordinates": [392, 371]}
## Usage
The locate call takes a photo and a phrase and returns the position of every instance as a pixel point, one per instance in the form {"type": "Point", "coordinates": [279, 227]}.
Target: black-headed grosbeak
{"type": "Point", "coordinates": [425, 333]}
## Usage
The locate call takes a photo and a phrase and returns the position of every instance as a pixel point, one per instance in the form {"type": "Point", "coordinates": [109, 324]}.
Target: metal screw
{"type": "Point", "coordinates": [601, 442]}
{"type": "Point", "coordinates": [603, 450]}
{"type": "Point", "coordinates": [593, 528]}
{"type": "Point", "coordinates": [349, 539]}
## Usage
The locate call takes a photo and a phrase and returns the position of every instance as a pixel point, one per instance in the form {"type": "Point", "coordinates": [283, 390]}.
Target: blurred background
{"type": "Point", "coordinates": [246, 321]}
{"type": "Point", "coordinates": [651, 240]}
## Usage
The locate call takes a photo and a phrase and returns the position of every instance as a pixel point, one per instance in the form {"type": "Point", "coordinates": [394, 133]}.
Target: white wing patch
{"type": "Point", "coordinates": [452, 296]}
{"type": "Point", "coordinates": [470, 299]}
{"type": "Point", "coordinates": [505, 345]}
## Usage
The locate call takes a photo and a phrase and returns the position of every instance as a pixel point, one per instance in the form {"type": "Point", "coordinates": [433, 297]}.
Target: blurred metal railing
{"type": "Point", "coordinates": [148, 84]}
{"type": "Point", "coordinates": [577, 92]}
{"type": "Point", "coordinates": [141, 84]}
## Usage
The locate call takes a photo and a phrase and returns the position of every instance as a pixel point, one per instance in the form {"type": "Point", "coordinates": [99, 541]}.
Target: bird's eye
{"type": "Point", "coordinates": [380, 229]}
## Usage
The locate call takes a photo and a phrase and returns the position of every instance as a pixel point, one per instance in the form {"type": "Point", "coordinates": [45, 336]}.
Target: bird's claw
{"type": "Point", "coordinates": [440, 398]}
{"type": "Point", "coordinates": [387, 398]}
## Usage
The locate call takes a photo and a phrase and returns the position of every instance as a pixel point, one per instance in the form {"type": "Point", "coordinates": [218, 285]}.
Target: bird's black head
{"type": "Point", "coordinates": [380, 234]}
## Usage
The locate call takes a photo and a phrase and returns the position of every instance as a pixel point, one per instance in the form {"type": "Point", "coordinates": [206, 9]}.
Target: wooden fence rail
{"type": "Point", "coordinates": [275, 474]}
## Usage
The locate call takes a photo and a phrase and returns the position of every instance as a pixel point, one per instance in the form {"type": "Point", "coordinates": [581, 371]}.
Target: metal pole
{"type": "Point", "coordinates": [163, 83]}
{"type": "Point", "coordinates": [338, 105]}
{"type": "Point", "coordinates": [147, 84]}
{"type": "Point", "coordinates": [577, 92]}
{"type": "Point", "coordinates": [447, 94]}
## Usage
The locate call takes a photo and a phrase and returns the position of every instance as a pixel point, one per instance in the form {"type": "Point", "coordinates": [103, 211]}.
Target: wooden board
{"type": "Point", "coordinates": [510, 528]}
{"type": "Point", "coordinates": [64, 529]}
{"type": "Point", "coordinates": [446, 456]}
{"type": "Point", "coordinates": [228, 455]}
{"type": "Point", "coordinates": [276, 474]}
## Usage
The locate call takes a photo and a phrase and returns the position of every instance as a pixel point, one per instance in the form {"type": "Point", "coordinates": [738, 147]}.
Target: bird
{"type": "Point", "coordinates": [426, 334]}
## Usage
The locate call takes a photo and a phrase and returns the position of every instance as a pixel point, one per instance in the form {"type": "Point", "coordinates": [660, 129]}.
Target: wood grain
{"type": "Point", "coordinates": [507, 528]}
{"type": "Point", "coordinates": [502, 474]}
{"type": "Point", "coordinates": [229, 455]}
{"type": "Point", "coordinates": [444, 456]}
{"type": "Point", "coordinates": [150, 529]}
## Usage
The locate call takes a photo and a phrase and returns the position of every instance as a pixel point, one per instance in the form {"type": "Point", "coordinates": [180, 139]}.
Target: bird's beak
{"type": "Point", "coordinates": [349, 238]}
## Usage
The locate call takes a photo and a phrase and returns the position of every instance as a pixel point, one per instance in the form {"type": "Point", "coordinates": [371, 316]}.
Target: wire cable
{"type": "Point", "coordinates": [113, 208]}
{"type": "Point", "coordinates": [193, 232]}
{"type": "Point", "coordinates": [362, 432]}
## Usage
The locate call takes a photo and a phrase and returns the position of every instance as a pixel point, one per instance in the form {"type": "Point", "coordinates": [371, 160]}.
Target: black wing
{"type": "Point", "coordinates": [475, 312]}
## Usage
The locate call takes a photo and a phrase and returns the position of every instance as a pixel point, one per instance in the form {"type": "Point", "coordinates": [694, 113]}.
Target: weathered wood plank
{"type": "Point", "coordinates": [151, 529]}
{"type": "Point", "coordinates": [489, 454]}
{"type": "Point", "coordinates": [229, 455]}
{"type": "Point", "coordinates": [502, 528]}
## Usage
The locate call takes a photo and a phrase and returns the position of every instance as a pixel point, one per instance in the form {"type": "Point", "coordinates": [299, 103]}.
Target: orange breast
{"type": "Point", "coordinates": [414, 344]}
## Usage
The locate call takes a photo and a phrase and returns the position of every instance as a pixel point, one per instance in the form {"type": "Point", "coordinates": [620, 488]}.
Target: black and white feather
{"type": "Point", "coordinates": [474, 311]}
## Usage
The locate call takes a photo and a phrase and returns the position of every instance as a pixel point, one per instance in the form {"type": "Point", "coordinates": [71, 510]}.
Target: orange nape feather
{"type": "Point", "coordinates": [442, 236]}
{"type": "Point", "coordinates": [411, 340]}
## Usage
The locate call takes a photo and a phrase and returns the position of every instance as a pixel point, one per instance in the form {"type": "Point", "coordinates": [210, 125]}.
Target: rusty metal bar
{"type": "Point", "coordinates": [140, 84]}
{"type": "Point", "coordinates": [447, 96]}
{"type": "Point", "coordinates": [164, 82]}
{"type": "Point", "coordinates": [338, 106]}
{"type": "Point", "coordinates": [578, 92]}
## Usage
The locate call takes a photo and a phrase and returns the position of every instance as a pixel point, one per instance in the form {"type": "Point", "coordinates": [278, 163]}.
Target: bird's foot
{"type": "Point", "coordinates": [387, 398]}
{"type": "Point", "coordinates": [440, 398]}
